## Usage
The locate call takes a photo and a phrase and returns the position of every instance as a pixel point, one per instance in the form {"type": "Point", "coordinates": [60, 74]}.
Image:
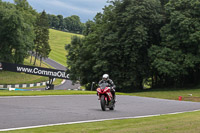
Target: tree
{"type": "Point", "coordinates": [134, 21]}
{"type": "Point", "coordinates": [73, 24]}
{"type": "Point", "coordinates": [61, 24]}
{"type": "Point", "coordinates": [42, 47]}
{"type": "Point", "coordinates": [55, 22]}
{"type": "Point", "coordinates": [117, 43]}
{"type": "Point", "coordinates": [88, 26]}
{"type": "Point", "coordinates": [164, 2]}
{"type": "Point", "coordinates": [69, 24]}
{"type": "Point", "coordinates": [176, 61]}
{"type": "Point", "coordinates": [16, 32]}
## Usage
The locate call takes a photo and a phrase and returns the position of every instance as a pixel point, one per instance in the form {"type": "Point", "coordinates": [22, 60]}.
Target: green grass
{"type": "Point", "coordinates": [21, 78]}
{"type": "Point", "coordinates": [41, 93]}
{"type": "Point", "coordinates": [166, 94]}
{"type": "Point", "coordinates": [179, 123]}
{"type": "Point", "coordinates": [56, 82]}
{"type": "Point", "coordinates": [58, 40]}
{"type": "Point", "coordinates": [172, 94]}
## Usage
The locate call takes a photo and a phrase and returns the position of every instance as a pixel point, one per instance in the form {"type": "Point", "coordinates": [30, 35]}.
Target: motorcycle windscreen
{"type": "Point", "coordinates": [103, 85]}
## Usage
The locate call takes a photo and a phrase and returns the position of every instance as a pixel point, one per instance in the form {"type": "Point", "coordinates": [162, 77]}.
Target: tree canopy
{"type": "Point", "coordinates": [16, 31]}
{"type": "Point", "coordinates": [68, 24]}
{"type": "Point", "coordinates": [139, 40]}
{"type": "Point", "coordinates": [177, 58]}
{"type": "Point", "coordinates": [117, 43]}
{"type": "Point", "coordinates": [42, 47]}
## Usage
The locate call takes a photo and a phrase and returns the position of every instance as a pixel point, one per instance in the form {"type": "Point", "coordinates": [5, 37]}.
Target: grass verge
{"type": "Point", "coordinates": [57, 41]}
{"type": "Point", "coordinates": [187, 94]}
{"type": "Point", "coordinates": [7, 77]}
{"type": "Point", "coordinates": [21, 78]}
{"type": "Point", "coordinates": [178, 123]}
{"type": "Point", "coordinates": [41, 93]}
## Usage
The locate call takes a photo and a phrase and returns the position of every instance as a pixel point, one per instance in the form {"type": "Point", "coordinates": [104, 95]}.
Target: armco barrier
{"type": "Point", "coordinates": [23, 85]}
{"type": "Point", "coordinates": [6, 87]}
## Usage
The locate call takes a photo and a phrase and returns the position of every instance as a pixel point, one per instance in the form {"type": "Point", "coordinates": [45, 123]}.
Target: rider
{"type": "Point", "coordinates": [105, 79]}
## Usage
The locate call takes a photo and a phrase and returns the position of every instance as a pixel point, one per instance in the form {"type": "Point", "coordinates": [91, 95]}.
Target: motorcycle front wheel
{"type": "Point", "coordinates": [103, 103]}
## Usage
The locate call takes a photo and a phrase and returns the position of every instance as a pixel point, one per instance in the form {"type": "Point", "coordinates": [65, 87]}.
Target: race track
{"type": "Point", "coordinates": [43, 110]}
{"type": "Point", "coordinates": [29, 111]}
{"type": "Point", "coordinates": [67, 84]}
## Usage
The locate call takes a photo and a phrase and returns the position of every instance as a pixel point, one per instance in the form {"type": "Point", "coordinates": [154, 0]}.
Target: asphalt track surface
{"type": "Point", "coordinates": [43, 110]}
{"type": "Point", "coordinates": [67, 84]}
{"type": "Point", "coordinates": [28, 111]}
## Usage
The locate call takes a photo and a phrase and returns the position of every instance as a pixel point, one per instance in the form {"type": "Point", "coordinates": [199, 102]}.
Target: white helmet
{"type": "Point", "coordinates": [105, 76]}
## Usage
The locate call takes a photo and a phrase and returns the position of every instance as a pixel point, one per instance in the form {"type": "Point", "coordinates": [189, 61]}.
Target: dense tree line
{"type": "Point", "coordinates": [137, 41]}
{"type": "Point", "coordinates": [176, 60]}
{"type": "Point", "coordinates": [23, 32]}
{"type": "Point", "coordinates": [16, 31]}
{"type": "Point", "coordinates": [68, 24]}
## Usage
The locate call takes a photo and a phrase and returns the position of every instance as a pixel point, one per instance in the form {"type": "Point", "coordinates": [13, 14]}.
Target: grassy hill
{"type": "Point", "coordinates": [57, 41]}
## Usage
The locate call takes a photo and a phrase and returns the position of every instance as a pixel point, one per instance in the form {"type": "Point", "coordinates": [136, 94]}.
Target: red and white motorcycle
{"type": "Point", "coordinates": [105, 97]}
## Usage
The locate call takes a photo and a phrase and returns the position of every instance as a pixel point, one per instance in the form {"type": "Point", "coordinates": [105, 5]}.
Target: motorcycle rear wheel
{"type": "Point", "coordinates": [103, 103]}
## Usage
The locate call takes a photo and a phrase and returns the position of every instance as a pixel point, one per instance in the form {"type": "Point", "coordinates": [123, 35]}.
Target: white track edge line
{"type": "Point", "coordinates": [89, 121]}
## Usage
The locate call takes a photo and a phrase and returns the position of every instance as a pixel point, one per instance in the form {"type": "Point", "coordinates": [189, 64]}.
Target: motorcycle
{"type": "Point", "coordinates": [105, 97]}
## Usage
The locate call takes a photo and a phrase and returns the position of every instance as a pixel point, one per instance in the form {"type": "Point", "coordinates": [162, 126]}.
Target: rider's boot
{"type": "Point", "coordinates": [114, 96]}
